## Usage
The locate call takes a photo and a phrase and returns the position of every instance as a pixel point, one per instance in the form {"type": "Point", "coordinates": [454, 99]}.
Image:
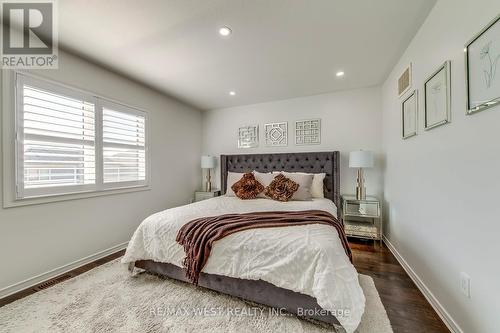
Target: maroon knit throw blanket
{"type": "Point", "coordinates": [197, 236]}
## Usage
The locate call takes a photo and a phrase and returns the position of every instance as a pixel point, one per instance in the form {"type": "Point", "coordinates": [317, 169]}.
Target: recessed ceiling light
{"type": "Point", "coordinates": [232, 93]}
{"type": "Point", "coordinates": [225, 31]}
{"type": "Point", "coordinates": [340, 74]}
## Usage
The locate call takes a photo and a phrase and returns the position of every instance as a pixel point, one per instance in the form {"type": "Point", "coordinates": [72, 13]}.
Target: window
{"type": "Point", "coordinates": [70, 141]}
{"type": "Point", "coordinates": [124, 145]}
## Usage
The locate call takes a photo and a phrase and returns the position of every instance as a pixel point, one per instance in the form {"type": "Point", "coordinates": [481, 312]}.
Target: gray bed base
{"type": "Point", "coordinates": [256, 291]}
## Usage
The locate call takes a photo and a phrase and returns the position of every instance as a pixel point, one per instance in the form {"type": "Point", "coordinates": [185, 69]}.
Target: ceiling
{"type": "Point", "coordinates": [279, 49]}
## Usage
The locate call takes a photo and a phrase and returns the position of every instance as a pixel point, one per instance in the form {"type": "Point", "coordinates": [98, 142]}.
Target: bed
{"type": "Point", "coordinates": [300, 269]}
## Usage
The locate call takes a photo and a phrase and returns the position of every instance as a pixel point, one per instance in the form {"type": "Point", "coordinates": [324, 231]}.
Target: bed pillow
{"type": "Point", "coordinates": [317, 187]}
{"type": "Point", "coordinates": [247, 187]}
{"type": "Point", "coordinates": [281, 188]}
{"type": "Point", "coordinates": [305, 183]}
{"type": "Point", "coordinates": [265, 179]}
{"type": "Point", "coordinates": [232, 177]}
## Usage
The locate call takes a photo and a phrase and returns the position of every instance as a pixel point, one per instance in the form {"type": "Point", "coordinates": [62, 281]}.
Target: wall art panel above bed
{"type": "Point", "coordinates": [308, 132]}
{"type": "Point", "coordinates": [248, 136]}
{"type": "Point", "coordinates": [276, 134]}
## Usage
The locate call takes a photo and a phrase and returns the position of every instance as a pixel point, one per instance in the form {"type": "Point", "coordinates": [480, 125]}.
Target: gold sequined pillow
{"type": "Point", "coordinates": [281, 188]}
{"type": "Point", "coordinates": [247, 187]}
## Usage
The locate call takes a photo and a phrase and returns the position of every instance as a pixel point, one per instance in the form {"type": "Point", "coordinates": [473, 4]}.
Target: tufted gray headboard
{"type": "Point", "coordinates": [327, 162]}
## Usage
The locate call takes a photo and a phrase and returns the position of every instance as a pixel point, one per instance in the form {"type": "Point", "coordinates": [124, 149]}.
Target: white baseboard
{"type": "Point", "coordinates": [33, 281]}
{"type": "Point", "coordinates": [436, 305]}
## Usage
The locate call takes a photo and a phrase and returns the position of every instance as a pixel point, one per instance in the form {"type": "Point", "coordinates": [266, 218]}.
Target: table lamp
{"type": "Point", "coordinates": [208, 162]}
{"type": "Point", "coordinates": [360, 159]}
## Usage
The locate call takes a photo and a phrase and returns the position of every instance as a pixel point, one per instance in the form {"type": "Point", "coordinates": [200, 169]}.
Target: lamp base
{"type": "Point", "coordinates": [360, 186]}
{"type": "Point", "coordinates": [360, 193]}
{"type": "Point", "coordinates": [208, 184]}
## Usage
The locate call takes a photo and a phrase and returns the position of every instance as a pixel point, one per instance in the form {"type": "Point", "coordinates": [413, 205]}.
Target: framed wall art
{"type": "Point", "coordinates": [276, 134]}
{"type": "Point", "coordinates": [482, 68]}
{"type": "Point", "coordinates": [308, 132]}
{"type": "Point", "coordinates": [409, 118]}
{"type": "Point", "coordinates": [248, 136]}
{"type": "Point", "coordinates": [437, 97]}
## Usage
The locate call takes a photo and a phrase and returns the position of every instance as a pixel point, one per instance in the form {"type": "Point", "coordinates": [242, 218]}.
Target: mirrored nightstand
{"type": "Point", "coordinates": [362, 218]}
{"type": "Point", "coordinates": [203, 195]}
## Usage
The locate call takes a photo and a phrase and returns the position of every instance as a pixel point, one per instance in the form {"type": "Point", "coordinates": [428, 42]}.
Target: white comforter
{"type": "Point", "coordinates": [308, 259]}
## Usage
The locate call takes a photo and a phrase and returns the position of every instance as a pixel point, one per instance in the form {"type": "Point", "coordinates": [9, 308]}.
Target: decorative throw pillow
{"type": "Point", "coordinates": [281, 188]}
{"type": "Point", "coordinates": [247, 187]}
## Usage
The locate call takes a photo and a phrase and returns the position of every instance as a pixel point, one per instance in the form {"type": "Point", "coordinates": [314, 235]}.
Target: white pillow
{"type": "Point", "coordinates": [265, 179]}
{"type": "Point", "coordinates": [232, 177]}
{"type": "Point", "coordinates": [305, 184]}
{"type": "Point", "coordinates": [317, 187]}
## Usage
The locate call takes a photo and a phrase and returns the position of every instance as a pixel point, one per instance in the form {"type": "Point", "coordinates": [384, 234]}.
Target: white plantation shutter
{"type": "Point", "coordinates": [69, 141]}
{"type": "Point", "coordinates": [124, 144]}
{"type": "Point", "coordinates": [57, 132]}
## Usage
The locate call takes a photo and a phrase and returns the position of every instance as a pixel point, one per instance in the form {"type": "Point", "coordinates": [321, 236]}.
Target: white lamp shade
{"type": "Point", "coordinates": [361, 159]}
{"type": "Point", "coordinates": [208, 162]}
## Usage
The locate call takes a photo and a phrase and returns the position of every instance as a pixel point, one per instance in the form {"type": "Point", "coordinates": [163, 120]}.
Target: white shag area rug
{"type": "Point", "coordinates": [108, 299]}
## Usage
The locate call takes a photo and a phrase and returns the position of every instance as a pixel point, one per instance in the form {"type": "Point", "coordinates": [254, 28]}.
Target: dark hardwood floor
{"type": "Point", "coordinates": [408, 310]}
{"type": "Point", "coordinates": [60, 278]}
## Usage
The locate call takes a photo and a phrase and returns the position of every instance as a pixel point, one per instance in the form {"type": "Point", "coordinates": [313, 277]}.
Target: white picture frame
{"type": "Point", "coordinates": [276, 134]}
{"type": "Point", "coordinates": [307, 132]}
{"type": "Point", "coordinates": [437, 97]}
{"type": "Point", "coordinates": [482, 68]}
{"type": "Point", "coordinates": [248, 136]}
{"type": "Point", "coordinates": [409, 115]}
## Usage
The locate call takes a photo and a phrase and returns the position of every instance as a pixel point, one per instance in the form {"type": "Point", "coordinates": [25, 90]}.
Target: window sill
{"type": "Point", "coordinates": [74, 196]}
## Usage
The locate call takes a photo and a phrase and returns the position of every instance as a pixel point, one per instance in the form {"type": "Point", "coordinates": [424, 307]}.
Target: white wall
{"type": "Point", "coordinates": [35, 239]}
{"type": "Point", "coordinates": [350, 120]}
{"type": "Point", "coordinates": [442, 186]}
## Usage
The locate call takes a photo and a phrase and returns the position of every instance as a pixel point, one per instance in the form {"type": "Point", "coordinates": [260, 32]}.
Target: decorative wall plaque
{"type": "Point", "coordinates": [248, 136]}
{"type": "Point", "coordinates": [276, 134]}
{"type": "Point", "coordinates": [308, 132]}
